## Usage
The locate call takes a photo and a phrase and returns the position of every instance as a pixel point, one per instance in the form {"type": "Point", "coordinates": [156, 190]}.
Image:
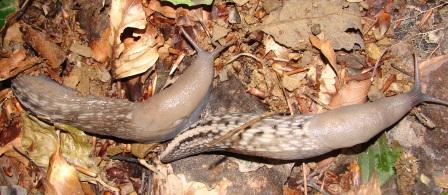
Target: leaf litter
{"type": "Point", "coordinates": [300, 57]}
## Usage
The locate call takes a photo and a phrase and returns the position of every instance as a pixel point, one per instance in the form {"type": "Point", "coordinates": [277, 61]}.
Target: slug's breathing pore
{"type": "Point", "coordinates": [300, 136]}
{"type": "Point", "coordinates": [157, 119]}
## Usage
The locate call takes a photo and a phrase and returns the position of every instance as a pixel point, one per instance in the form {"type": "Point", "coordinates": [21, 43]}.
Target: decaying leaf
{"type": "Point", "coordinates": [16, 63]}
{"type": "Point", "coordinates": [383, 22]}
{"type": "Point", "coordinates": [40, 42]}
{"type": "Point", "coordinates": [290, 25]}
{"type": "Point", "coordinates": [133, 53]}
{"type": "Point", "coordinates": [166, 11]}
{"type": "Point", "coordinates": [271, 45]}
{"type": "Point", "coordinates": [62, 177]}
{"type": "Point", "coordinates": [40, 140]}
{"type": "Point", "coordinates": [325, 47]}
{"type": "Point", "coordinates": [327, 84]}
{"type": "Point", "coordinates": [138, 56]}
{"type": "Point", "coordinates": [372, 187]}
{"type": "Point", "coordinates": [354, 92]}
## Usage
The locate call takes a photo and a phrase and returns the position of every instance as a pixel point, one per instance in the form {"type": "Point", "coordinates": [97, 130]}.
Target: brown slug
{"type": "Point", "coordinates": [157, 119]}
{"type": "Point", "coordinates": [299, 136]}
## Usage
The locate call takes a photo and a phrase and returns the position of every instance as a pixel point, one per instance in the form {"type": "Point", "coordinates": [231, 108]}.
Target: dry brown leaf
{"type": "Point", "coordinates": [138, 56]}
{"type": "Point", "coordinates": [15, 64]}
{"type": "Point", "coordinates": [383, 22]}
{"type": "Point", "coordinates": [327, 84]}
{"type": "Point", "coordinates": [277, 49]}
{"type": "Point", "coordinates": [62, 178]}
{"type": "Point", "coordinates": [372, 187]}
{"type": "Point", "coordinates": [425, 17]}
{"type": "Point", "coordinates": [290, 24]}
{"type": "Point", "coordinates": [46, 49]}
{"type": "Point", "coordinates": [102, 48]}
{"type": "Point", "coordinates": [315, 41]}
{"type": "Point", "coordinates": [166, 11]}
{"type": "Point", "coordinates": [126, 14]}
{"type": "Point", "coordinates": [138, 53]}
{"type": "Point", "coordinates": [327, 50]}
{"type": "Point", "coordinates": [13, 34]}
{"type": "Point", "coordinates": [354, 92]}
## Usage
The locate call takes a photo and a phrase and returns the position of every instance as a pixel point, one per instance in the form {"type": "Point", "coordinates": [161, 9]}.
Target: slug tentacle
{"type": "Point", "coordinates": [297, 137]}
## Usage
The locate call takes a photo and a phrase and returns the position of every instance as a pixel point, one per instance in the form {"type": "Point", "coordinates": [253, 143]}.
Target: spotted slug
{"type": "Point", "coordinates": [298, 136]}
{"type": "Point", "coordinates": [157, 119]}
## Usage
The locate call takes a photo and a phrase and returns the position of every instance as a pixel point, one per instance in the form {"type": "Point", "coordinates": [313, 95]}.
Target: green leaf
{"type": "Point", "coordinates": [6, 7]}
{"type": "Point", "coordinates": [190, 2]}
{"type": "Point", "coordinates": [379, 158]}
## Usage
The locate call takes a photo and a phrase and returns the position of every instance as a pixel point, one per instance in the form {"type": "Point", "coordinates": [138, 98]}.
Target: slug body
{"type": "Point", "coordinates": [157, 119]}
{"type": "Point", "coordinates": [297, 137]}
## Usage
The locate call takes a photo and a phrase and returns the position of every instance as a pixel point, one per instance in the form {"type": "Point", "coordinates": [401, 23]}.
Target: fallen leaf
{"type": "Point", "coordinates": [46, 49]}
{"type": "Point", "coordinates": [425, 18]}
{"type": "Point", "coordinates": [219, 32]}
{"type": "Point", "coordinates": [137, 57]}
{"type": "Point", "coordinates": [379, 159]}
{"type": "Point", "coordinates": [373, 51]}
{"type": "Point", "coordinates": [81, 49]}
{"type": "Point", "coordinates": [13, 34]}
{"type": "Point", "coordinates": [327, 84]}
{"type": "Point", "coordinates": [62, 177]}
{"type": "Point", "coordinates": [325, 47]}
{"type": "Point", "coordinates": [16, 63]}
{"type": "Point", "coordinates": [354, 92]}
{"type": "Point", "coordinates": [383, 22]}
{"type": "Point", "coordinates": [290, 24]}
{"type": "Point", "coordinates": [102, 47]}
{"type": "Point", "coordinates": [279, 51]}
{"type": "Point", "coordinates": [166, 11]}
{"type": "Point", "coordinates": [294, 81]}
{"type": "Point", "coordinates": [137, 53]}
{"type": "Point", "coordinates": [372, 187]}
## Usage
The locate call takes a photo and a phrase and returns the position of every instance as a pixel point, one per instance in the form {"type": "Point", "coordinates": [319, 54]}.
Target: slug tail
{"type": "Point", "coordinates": [58, 104]}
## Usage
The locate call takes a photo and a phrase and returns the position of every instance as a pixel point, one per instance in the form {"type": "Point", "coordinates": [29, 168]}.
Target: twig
{"type": "Point", "coordinates": [317, 100]}
{"type": "Point", "coordinates": [150, 167]}
{"type": "Point", "coordinates": [305, 181]}
{"type": "Point", "coordinates": [316, 187]}
{"type": "Point", "coordinates": [438, 46]}
{"type": "Point", "coordinates": [377, 63]}
{"type": "Point", "coordinates": [248, 55]}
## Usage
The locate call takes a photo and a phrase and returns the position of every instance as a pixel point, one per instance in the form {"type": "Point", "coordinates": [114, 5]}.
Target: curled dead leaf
{"type": "Point", "coordinates": [62, 177]}
{"type": "Point", "coordinates": [383, 22]}
{"type": "Point", "coordinates": [270, 45]}
{"type": "Point", "coordinates": [354, 92]}
{"type": "Point", "coordinates": [325, 47]}
{"type": "Point", "coordinates": [40, 42]}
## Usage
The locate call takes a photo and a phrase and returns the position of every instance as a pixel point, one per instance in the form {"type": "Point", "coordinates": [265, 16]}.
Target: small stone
{"type": "Point", "coordinates": [315, 29]}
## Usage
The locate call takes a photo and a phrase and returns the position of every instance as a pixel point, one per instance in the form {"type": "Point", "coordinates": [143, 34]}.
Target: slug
{"type": "Point", "coordinates": [159, 118]}
{"type": "Point", "coordinates": [300, 136]}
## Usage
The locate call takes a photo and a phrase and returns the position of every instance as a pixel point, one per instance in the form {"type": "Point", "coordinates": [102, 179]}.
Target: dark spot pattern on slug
{"type": "Point", "coordinates": [49, 100]}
